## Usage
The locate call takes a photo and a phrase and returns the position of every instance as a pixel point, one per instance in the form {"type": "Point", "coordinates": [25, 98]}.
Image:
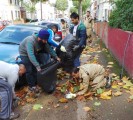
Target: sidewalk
{"type": "Point", "coordinates": [117, 108]}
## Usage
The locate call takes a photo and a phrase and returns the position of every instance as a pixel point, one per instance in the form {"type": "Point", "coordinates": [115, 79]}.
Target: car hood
{"type": "Point", "coordinates": [8, 52]}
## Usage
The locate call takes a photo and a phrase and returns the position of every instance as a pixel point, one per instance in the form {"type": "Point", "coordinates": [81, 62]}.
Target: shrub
{"type": "Point", "coordinates": [122, 16]}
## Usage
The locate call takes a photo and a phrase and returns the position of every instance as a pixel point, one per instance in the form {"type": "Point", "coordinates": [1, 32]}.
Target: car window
{"type": "Point", "coordinates": [16, 35]}
{"type": "Point", "coordinates": [49, 25]}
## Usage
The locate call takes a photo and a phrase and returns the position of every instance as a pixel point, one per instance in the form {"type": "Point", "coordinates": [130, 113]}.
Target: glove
{"type": "Point", "coordinates": [38, 68]}
{"type": "Point", "coordinates": [63, 49]}
{"type": "Point", "coordinates": [76, 47]}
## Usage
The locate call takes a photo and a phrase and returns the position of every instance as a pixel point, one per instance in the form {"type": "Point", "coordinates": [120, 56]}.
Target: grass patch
{"type": "Point", "coordinates": [117, 68]}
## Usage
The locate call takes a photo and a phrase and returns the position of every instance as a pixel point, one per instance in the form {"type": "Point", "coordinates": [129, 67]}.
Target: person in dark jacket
{"type": "Point", "coordinates": [34, 52]}
{"type": "Point", "coordinates": [78, 31]}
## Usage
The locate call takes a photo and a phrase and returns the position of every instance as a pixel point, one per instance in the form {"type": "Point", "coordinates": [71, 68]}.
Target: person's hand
{"type": "Point", "coordinates": [76, 47]}
{"type": "Point", "coordinates": [58, 59]}
{"type": "Point", "coordinates": [38, 69]}
{"type": "Point", "coordinates": [63, 49]}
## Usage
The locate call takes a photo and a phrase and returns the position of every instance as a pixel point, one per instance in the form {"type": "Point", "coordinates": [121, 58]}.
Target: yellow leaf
{"type": "Point", "coordinates": [81, 86]}
{"type": "Point", "coordinates": [125, 78]}
{"type": "Point", "coordinates": [118, 93]}
{"type": "Point", "coordinates": [90, 98]}
{"type": "Point", "coordinates": [121, 83]}
{"type": "Point", "coordinates": [115, 86]}
{"type": "Point", "coordinates": [126, 87]}
{"type": "Point", "coordinates": [63, 100]}
{"type": "Point", "coordinates": [71, 89]}
{"type": "Point", "coordinates": [86, 109]}
{"type": "Point", "coordinates": [106, 95]}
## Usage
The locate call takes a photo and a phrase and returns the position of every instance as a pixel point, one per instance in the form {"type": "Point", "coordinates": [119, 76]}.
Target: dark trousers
{"type": "Point", "coordinates": [31, 72]}
{"type": "Point", "coordinates": [77, 61]}
{"type": "Point", "coordinates": [77, 58]}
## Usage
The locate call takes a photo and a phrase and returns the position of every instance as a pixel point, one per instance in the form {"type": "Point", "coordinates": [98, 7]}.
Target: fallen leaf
{"type": "Point", "coordinates": [81, 86]}
{"type": "Point", "coordinates": [126, 87]}
{"type": "Point", "coordinates": [37, 107]}
{"type": "Point", "coordinates": [131, 97]}
{"type": "Point", "coordinates": [128, 83]}
{"type": "Point", "coordinates": [97, 103]}
{"type": "Point", "coordinates": [89, 94]}
{"type": "Point", "coordinates": [63, 100]}
{"type": "Point", "coordinates": [90, 98]}
{"type": "Point", "coordinates": [58, 88]}
{"type": "Point", "coordinates": [80, 97]}
{"type": "Point", "coordinates": [86, 109]}
{"type": "Point", "coordinates": [30, 100]}
{"type": "Point", "coordinates": [76, 88]}
{"type": "Point", "coordinates": [125, 78]}
{"type": "Point", "coordinates": [118, 93]}
{"type": "Point", "coordinates": [100, 91]}
{"type": "Point", "coordinates": [115, 86]}
{"type": "Point", "coordinates": [71, 89]}
{"type": "Point", "coordinates": [120, 83]}
{"type": "Point", "coordinates": [65, 106]}
{"type": "Point", "coordinates": [106, 95]}
{"type": "Point", "coordinates": [57, 105]}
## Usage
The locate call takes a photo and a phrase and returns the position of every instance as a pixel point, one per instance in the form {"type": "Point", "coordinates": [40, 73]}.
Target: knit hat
{"type": "Point", "coordinates": [43, 34]}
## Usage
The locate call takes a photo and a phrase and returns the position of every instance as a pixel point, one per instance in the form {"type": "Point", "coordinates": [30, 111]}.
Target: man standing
{"type": "Point", "coordinates": [91, 75]}
{"type": "Point", "coordinates": [34, 51]}
{"type": "Point", "coordinates": [78, 31]}
{"type": "Point", "coordinates": [64, 27]}
{"type": "Point", "coordinates": [89, 23]}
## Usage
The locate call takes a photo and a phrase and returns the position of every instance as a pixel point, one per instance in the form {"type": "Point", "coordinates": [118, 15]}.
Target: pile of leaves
{"type": "Point", "coordinates": [117, 89]}
{"type": "Point", "coordinates": [25, 96]}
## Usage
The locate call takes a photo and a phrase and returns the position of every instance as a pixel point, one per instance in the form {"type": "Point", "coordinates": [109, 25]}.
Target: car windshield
{"type": "Point", "coordinates": [14, 34]}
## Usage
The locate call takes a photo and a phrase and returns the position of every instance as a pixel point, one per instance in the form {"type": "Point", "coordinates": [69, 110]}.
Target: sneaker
{"type": "Point", "coordinates": [108, 82]}
{"type": "Point", "coordinates": [14, 116]}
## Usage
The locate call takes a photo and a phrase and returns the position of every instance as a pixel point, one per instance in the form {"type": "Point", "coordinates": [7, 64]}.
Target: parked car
{"type": "Point", "coordinates": [49, 24]}
{"type": "Point", "coordinates": [10, 38]}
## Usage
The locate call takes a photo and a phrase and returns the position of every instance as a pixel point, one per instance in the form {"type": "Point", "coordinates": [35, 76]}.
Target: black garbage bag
{"type": "Point", "coordinates": [67, 58]}
{"type": "Point", "coordinates": [47, 77]}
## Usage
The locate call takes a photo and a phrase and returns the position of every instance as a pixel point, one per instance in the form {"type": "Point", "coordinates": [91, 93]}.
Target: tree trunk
{"type": "Point", "coordinates": [41, 7]}
{"type": "Point", "coordinates": [80, 9]}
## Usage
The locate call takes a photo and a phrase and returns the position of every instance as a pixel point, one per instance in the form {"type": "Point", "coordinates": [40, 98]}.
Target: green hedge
{"type": "Point", "coordinates": [122, 16]}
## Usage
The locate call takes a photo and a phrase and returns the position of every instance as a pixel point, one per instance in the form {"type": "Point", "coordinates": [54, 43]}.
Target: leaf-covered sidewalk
{"type": "Point", "coordinates": [104, 104]}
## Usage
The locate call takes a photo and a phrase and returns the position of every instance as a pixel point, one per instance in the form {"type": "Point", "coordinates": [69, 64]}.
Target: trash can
{"type": "Point", "coordinates": [48, 76]}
